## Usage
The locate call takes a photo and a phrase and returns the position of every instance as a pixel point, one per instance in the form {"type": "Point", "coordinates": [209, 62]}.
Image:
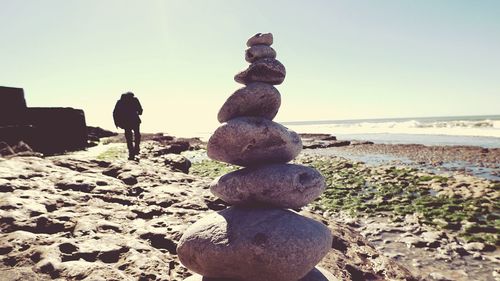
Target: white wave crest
{"type": "Point", "coordinates": [482, 128]}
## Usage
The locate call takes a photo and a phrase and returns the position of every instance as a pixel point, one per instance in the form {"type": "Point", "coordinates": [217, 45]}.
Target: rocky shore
{"type": "Point", "coordinates": [467, 160]}
{"type": "Point", "coordinates": [96, 216]}
{"type": "Point", "coordinates": [442, 227]}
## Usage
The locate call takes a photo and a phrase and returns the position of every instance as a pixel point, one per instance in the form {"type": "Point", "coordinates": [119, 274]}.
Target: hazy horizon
{"type": "Point", "coordinates": [344, 59]}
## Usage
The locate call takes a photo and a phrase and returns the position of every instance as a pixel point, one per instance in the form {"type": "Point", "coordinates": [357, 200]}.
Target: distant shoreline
{"type": "Point", "coordinates": [479, 130]}
{"type": "Point", "coordinates": [430, 118]}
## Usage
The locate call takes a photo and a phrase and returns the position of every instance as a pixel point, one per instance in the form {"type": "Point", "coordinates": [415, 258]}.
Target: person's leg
{"type": "Point", "coordinates": [130, 145]}
{"type": "Point", "coordinates": [137, 139]}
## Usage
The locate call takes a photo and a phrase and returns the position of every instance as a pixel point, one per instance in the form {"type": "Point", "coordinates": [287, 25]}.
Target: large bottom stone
{"type": "Point", "coordinates": [317, 274]}
{"type": "Point", "coordinates": [254, 244]}
{"type": "Point", "coordinates": [281, 185]}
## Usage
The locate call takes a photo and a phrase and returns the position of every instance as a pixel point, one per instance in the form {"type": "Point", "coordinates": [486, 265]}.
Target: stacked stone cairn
{"type": "Point", "coordinates": [258, 238]}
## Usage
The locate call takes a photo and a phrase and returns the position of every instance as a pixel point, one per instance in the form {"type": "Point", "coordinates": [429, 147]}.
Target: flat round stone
{"type": "Point", "coordinates": [260, 39]}
{"type": "Point", "coordinates": [266, 70]}
{"type": "Point", "coordinates": [250, 141]}
{"type": "Point", "coordinates": [279, 185]}
{"type": "Point", "coordinates": [254, 244]}
{"type": "Point", "coordinates": [257, 52]}
{"type": "Point", "coordinates": [256, 99]}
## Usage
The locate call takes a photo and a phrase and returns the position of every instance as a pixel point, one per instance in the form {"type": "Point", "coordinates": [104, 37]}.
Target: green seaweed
{"type": "Point", "coordinates": [362, 191]}
{"type": "Point", "coordinates": [400, 191]}
{"type": "Point", "coordinates": [113, 153]}
{"type": "Point", "coordinates": [211, 169]}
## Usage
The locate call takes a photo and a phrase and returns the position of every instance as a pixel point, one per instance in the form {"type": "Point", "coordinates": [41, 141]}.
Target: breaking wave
{"type": "Point", "coordinates": [480, 128]}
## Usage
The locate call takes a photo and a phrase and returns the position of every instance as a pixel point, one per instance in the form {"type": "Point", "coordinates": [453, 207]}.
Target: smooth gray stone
{"type": "Point", "coordinates": [266, 70]}
{"type": "Point", "coordinates": [254, 244]}
{"type": "Point", "coordinates": [260, 39]}
{"type": "Point", "coordinates": [249, 141]}
{"type": "Point", "coordinates": [317, 274]}
{"type": "Point", "coordinates": [257, 52]}
{"type": "Point", "coordinates": [279, 185]}
{"type": "Point", "coordinates": [256, 99]}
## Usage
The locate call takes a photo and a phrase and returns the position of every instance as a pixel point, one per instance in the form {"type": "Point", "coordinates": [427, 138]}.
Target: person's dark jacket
{"type": "Point", "coordinates": [127, 111]}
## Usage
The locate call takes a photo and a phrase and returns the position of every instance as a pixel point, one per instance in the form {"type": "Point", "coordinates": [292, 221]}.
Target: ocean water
{"type": "Point", "coordinates": [450, 130]}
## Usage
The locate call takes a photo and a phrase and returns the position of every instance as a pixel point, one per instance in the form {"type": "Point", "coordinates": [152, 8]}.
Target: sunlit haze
{"type": "Point", "coordinates": [344, 59]}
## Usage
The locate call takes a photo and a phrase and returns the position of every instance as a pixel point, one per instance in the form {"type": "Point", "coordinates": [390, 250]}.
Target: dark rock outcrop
{"type": "Point", "coordinates": [12, 106]}
{"type": "Point", "coordinates": [177, 162]}
{"type": "Point", "coordinates": [47, 130]}
{"type": "Point", "coordinates": [96, 133]}
{"type": "Point", "coordinates": [57, 129]}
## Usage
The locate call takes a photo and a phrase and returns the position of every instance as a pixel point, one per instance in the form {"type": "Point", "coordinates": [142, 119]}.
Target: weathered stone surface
{"type": "Point", "coordinates": [264, 70]}
{"type": "Point", "coordinates": [96, 133]}
{"type": "Point", "coordinates": [128, 178]}
{"type": "Point", "coordinates": [5, 149]}
{"type": "Point", "coordinates": [248, 141]}
{"type": "Point", "coordinates": [257, 52]}
{"type": "Point", "coordinates": [256, 99]}
{"type": "Point", "coordinates": [254, 244]}
{"type": "Point", "coordinates": [260, 39]}
{"type": "Point", "coordinates": [175, 147]}
{"type": "Point", "coordinates": [39, 237]}
{"type": "Point", "coordinates": [324, 143]}
{"type": "Point", "coordinates": [177, 162]}
{"type": "Point", "coordinates": [474, 246]}
{"type": "Point", "coordinates": [22, 148]}
{"type": "Point", "coordinates": [281, 185]}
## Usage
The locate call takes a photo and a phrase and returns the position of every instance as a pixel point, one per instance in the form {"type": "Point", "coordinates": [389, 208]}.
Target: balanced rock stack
{"type": "Point", "coordinates": [258, 239]}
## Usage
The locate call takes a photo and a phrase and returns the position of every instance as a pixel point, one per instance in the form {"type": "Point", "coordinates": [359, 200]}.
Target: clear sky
{"type": "Point", "coordinates": [345, 59]}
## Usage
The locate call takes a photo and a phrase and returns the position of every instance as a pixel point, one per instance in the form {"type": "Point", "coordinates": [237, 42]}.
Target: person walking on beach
{"type": "Point", "coordinates": [126, 116]}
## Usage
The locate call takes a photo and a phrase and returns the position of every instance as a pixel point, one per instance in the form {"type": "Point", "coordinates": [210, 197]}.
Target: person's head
{"type": "Point", "coordinates": [127, 95]}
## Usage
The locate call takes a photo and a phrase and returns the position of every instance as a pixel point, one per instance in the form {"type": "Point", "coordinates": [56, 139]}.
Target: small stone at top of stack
{"type": "Point", "coordinates": [264, 67]}
{"type": "Point", "coordinates": [260, 47]}
{"type": "Point", "coordinates": [260, 39]}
